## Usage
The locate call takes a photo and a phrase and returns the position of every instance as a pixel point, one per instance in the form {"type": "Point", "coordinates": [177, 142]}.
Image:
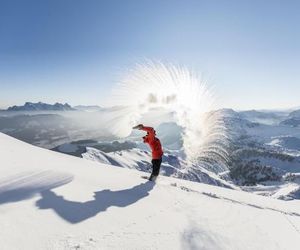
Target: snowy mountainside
{"type": "Point", "coordinates": [261, 155]}
{"type": "Point", "coordinates": [50, 200]}
{"type": "Point", "coordinates": [263, 117]}
{"type": "Point", "coordinates": [172, 165]}
{"type": "Point", "coordinates": [295, 114]}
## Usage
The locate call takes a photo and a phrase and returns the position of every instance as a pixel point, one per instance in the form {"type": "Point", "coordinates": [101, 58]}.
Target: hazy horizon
{"type": "Point", "coordinates": [105, 106]}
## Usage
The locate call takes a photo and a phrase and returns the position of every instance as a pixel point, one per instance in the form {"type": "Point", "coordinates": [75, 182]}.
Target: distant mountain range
{"type": "Point", "coordinates": [252, 115]}
{"type": "Point", "coordinates": [40, 106]}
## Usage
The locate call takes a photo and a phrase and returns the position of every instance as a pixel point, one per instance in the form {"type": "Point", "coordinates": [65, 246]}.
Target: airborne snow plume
{"type": "Point", "coordinates": [176, 89]}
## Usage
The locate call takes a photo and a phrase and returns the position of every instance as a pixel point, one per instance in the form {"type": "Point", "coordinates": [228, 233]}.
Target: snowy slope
{"type": "Point", "coordinates": [172, 165]}
{"type": "Point", "coordinates": [50, 200]}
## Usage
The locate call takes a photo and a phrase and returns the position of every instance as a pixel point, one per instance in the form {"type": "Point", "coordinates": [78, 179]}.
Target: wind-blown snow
{"type": "Point", "coordinates": [49, 200]}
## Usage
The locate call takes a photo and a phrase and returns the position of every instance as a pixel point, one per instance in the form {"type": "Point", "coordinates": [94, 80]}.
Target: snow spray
{"type": "Point", "coordinates": [183, 93]}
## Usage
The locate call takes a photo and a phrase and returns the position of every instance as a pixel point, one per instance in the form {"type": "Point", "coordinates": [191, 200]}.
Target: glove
{"type": "Point", "coordinates": [140, 126]}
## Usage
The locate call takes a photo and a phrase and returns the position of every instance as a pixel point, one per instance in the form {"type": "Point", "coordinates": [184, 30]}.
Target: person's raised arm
{"type": "Point", "coordinates": [149, 130]}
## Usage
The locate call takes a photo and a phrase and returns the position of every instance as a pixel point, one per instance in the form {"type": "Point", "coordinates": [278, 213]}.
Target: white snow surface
{"type": "Point", "coordinates": [49, 200]}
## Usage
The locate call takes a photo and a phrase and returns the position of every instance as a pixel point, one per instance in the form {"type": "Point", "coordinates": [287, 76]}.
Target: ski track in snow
{"type": "Point", "coordinates": [215, 196]}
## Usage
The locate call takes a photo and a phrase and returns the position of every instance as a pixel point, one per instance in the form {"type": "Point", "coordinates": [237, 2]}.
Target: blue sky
{"type": "Point", "coordinates": [75, 51]}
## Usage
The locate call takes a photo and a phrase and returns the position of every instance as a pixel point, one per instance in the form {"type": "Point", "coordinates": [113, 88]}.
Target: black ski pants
{"type": "Point", "coordinates": [156, 166]}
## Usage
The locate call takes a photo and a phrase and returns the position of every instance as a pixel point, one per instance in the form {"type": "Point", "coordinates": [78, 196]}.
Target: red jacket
{"type": "Point", "coordinates": [153, 142]}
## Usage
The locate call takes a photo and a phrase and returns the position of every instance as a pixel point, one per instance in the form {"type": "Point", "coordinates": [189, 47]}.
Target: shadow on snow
{"type": "Point", "coordinates": [28, 184]}
{"type": "Point", "coordinates": [75, 212]}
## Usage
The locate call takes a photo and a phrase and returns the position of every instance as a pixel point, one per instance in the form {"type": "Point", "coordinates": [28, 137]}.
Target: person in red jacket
{"type": "Point", "coordinates": [156, 149]}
